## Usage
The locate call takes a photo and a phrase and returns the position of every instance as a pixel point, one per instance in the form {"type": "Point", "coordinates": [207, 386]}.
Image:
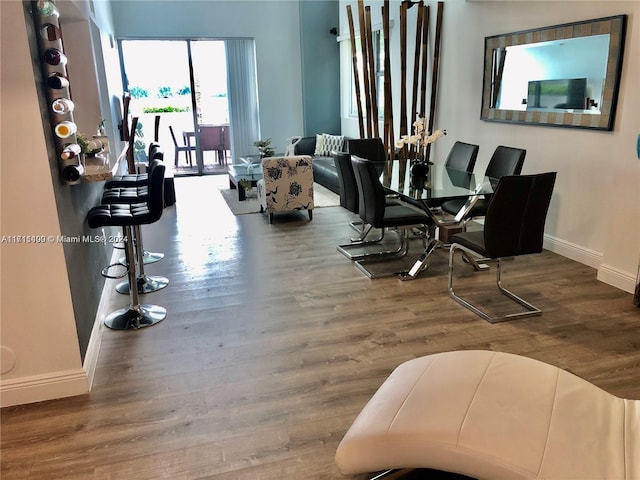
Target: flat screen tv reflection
{"type": "Point", "coordinates": [565, 93]}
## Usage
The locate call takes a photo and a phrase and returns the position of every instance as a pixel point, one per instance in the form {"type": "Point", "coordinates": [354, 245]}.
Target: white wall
{"type": "Point", "coordinates": [595, 211]}
{"type": "Point", "coordinates": [275, 27]}
{"type": "Point", "coordinates": [40, 358]}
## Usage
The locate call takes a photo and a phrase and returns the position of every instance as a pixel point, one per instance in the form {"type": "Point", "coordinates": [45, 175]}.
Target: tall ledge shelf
{"type": "Point", "coordinates": [95, 171]}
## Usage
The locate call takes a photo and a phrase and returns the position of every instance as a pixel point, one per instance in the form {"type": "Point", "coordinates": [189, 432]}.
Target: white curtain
{"type": "Point", "coordinates": [242, 89]}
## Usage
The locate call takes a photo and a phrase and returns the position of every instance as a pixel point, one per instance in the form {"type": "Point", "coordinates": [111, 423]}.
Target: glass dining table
{"type": "Point", "coordinates": [438, 185]}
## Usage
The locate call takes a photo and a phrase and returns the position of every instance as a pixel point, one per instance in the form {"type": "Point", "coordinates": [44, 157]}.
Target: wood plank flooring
{"type": "Point", "coordinates": [274, 342]}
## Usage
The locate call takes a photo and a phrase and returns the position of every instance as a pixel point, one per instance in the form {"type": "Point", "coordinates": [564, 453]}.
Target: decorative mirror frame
{"type": "Point", "coordinates": [615, 26]}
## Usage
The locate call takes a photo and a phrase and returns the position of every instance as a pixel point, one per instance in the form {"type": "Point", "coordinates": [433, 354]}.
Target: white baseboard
{"type": "Point", "coordinates": [104, 308]}
{"type": "Point", "coordinates": [573, 251]}
{"type": "Point", "coordinates": [69, 383]}
{"type": "Point", "coordinates": [93, 349]}
{"type": "Point", "coordinates": [606, 274]}
{"type": "Point", "coordinates": [617, 278]}
{"type": "Point", "coordinates": [38, 388]}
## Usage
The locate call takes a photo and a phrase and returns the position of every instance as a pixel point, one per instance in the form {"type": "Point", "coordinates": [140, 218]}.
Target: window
{"type": "Point", "coordinates": [378, 55]}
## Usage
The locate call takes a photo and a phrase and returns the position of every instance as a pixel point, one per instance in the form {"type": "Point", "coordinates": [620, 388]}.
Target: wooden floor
{"type": "Point", "coordinates": [274, 342]}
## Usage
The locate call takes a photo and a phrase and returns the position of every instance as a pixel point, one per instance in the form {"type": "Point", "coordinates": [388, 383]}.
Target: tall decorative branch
{"type": "Point", "coordinates": [356, 75]}
{"type": "Point", "coordinates": [365, 62]}
{"type": "Point", "coordinates": [434, 74]}
{"type": "Point", "coordinates": [372, 73]}
{"type": "Point", "coordinates": [416, 66]}
{"type": "Point", "coordinates": [389, 137]}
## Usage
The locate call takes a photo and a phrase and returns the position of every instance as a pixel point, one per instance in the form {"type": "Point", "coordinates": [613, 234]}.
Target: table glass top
{"type": "Point", "coordinates": [246, 171]}
{"type": "Point", "coordinates": [441, 182]}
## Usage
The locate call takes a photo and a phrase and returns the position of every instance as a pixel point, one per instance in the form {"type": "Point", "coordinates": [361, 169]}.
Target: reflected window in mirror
{"type": "Point", "coordinates": [564, 75]}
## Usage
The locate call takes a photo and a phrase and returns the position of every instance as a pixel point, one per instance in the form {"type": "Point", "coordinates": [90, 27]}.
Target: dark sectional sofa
{"type": "Point", "coordinates": [324, 168]}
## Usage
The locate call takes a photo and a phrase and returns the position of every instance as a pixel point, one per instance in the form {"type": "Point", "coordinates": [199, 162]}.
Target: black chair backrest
{"type": "Point", "coordinates": [347, 181]}
{"type": "Point", "coordinates": [156, 152]}
{"type": "Point", "coordinates": [153, 146]}
{"type": "Point", "coordinates": [158, 158]}
{"type": "Point", "coordinates": [372, 199]}
{"type": "Point", "coordinates": [505, 161]}
{"type": "Point", "coordinates": [155, 200]}
{"type": "Point", "coordinates": [371, 149]}
{"type": "Point", "coordinates": [462, 156]}
{"type": "Point", "coordinates": [514, 223]}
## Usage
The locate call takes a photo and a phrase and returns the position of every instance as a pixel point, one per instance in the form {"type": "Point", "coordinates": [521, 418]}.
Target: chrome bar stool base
{"type": "Point", "coordinates": [148, 284]}
{"type": "Point", "coordinates": [145, 283]}
{"type": "Point", "coordinates": [134, 318]}
{"type": "Point", "coordinates": [147, 258]}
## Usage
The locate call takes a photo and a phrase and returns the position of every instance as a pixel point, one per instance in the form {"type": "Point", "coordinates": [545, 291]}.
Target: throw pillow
{"type": "Point", "coordinates": [319, 145]}
{"type": "Point", "coordinates": [331, 143]}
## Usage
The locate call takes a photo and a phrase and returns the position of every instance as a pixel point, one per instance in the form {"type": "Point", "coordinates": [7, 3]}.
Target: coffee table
{"type": "Point", "coordinates": [243, 177]}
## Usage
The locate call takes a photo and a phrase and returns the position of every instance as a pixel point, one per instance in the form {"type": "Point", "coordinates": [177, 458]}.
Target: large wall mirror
{"type": "Point", "coordinates": [564, 75]}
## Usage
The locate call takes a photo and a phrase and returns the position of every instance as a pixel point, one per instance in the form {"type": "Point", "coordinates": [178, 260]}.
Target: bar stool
{"type": "Point", "coordinates": [135, 179]}
{"type": "Point", "coordinates": [131, 195]}
{"type": "Point", "coordinates": [129, 181]}
{"type": "Point", "coordinates": [128, 216]}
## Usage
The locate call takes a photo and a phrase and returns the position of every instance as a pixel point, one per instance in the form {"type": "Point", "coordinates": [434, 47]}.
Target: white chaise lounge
{"type": "Point", "coordinates": [492, 415]}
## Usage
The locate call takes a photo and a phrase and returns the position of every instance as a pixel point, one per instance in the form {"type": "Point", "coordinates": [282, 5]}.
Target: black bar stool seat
{"type": "Point", "coordinates": [125, 195]}
{"type": "Point", "coordinates": [136, 179]}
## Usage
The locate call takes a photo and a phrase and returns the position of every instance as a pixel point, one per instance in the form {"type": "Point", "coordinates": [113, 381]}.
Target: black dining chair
{"type": "Point", "coordinates": [374, 211]}
{"type": "Point", "coordinates": [371, 149]}
{"type": "Point", "coordinates": [347, 185]}
{"type": "Point", "coordinates": [513, 226]}
{"type": "Point", "coordinates": [504, 161]}
{"type": "Point", "coordinates": [349, 199]}
{"type": "Point", "coordinates": [462, 158]}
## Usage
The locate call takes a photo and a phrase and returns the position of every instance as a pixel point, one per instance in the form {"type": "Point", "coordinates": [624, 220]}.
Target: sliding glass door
{"type": "Point", "coordinates": [209, 67]}
{"type": "Point", "coordinates": [184, 83]}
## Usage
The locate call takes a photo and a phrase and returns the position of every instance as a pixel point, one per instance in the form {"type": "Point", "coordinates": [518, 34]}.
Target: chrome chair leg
{"type": "Point", "coordinates": [358, 226]}
{"type": "Point", "coordinates": [531, 310]}
{"type": "Point", "coordinates": [380, 257]}
{"type": "Point", "coordinates": [420, 264]}
{"type": "Point", "coordinates": [364, 231]}
{"type": "Point", "coordinates": [471, 259]}
{"type": "Point", "coordinates": [359, 242]}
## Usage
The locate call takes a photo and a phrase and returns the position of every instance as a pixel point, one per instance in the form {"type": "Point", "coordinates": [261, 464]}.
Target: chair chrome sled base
{"type": "Point", "coordinates": [531, 310]}
{"type": "Point", "coordinates": [361, 242]}
{"type": "Point", "coordinates": [379, 257]}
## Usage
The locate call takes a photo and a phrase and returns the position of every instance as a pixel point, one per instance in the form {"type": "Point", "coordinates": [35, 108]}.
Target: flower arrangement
{"type": "Point", "coordinates": [101, 129]}
{"type": "Point", "coordinates": [83, 142]}
{"type": "Point", "coordinates": [264, 147]}
{"type": "Point", "coordinates": [88, 147]}
{"type": "Point", "coordinates": [421, 138]}
{"type": "Point", "coordinates": [418, 143]}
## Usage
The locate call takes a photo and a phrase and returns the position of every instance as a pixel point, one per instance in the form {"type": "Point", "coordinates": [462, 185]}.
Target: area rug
{"type": "Point", "coordinates": [322, 197]}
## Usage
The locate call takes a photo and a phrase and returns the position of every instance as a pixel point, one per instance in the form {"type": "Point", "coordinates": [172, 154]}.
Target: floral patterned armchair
{"type": "Point", "coordinates": [287, 185]}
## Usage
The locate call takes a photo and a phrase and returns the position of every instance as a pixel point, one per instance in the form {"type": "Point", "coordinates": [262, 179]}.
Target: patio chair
{"type": "Point", "coordinates": [187, 149]}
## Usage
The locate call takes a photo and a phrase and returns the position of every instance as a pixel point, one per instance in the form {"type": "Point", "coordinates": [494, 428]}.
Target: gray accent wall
{"type": "Point", "coordinates": [84, 260]}
{"type": "Point", "coordinates": [320, 53]}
